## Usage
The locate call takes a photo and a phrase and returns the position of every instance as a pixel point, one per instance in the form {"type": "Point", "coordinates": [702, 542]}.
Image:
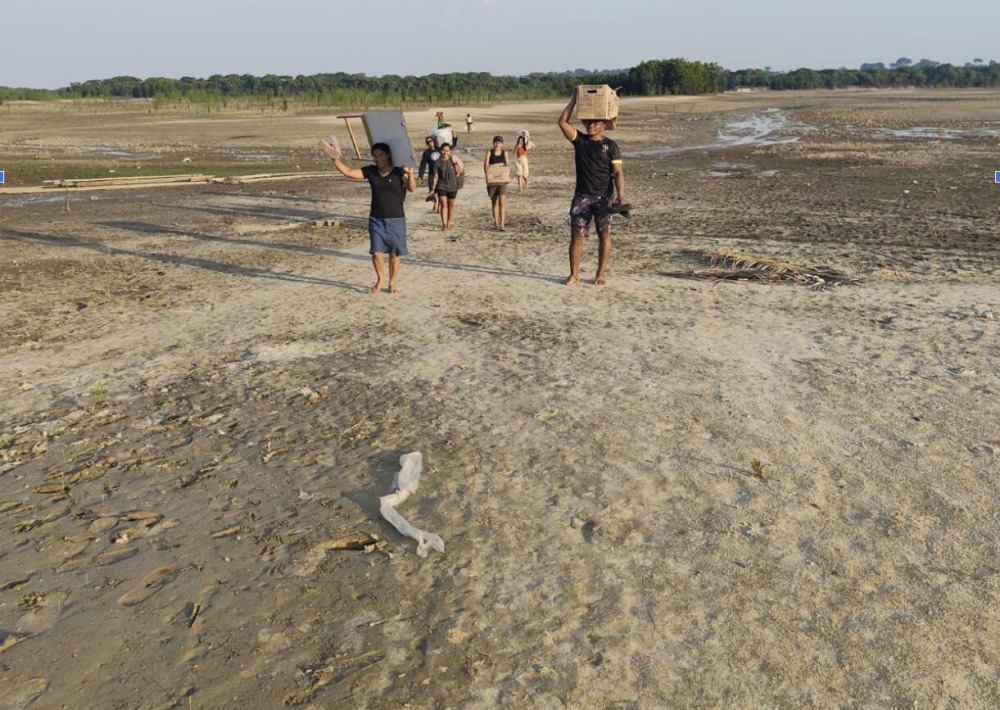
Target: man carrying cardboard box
{"type": "Point", "coordinates": [598, 172]}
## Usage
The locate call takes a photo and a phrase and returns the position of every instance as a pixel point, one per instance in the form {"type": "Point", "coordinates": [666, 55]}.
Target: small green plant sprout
{"type": "Point", "coordinates": [757, 469]}
{"type": "Point", "coordinates": [96, 398]}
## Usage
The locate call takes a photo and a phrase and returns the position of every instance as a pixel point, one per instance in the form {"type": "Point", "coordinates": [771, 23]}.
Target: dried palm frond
{"type": "Point", "coordinates": [731, 265]}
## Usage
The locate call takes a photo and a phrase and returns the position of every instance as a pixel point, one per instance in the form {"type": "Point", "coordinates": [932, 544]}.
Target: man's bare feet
{"type": "Point", "coordinates": [449, 225]}
{"type": "Point", "coordinates": [599, 280]}
{"type": "Point", "coordinates": [570, 280]}
{"type": "Point", "coordinates": [392, 287]}
{"type": "Point", "coordinates": [377, 287]}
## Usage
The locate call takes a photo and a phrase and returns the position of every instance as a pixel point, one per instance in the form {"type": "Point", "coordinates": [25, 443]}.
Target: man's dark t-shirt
{"type": "Point", "coordinates": [594, 175]}
{"type": "Point", "coordinates": [388, 192]}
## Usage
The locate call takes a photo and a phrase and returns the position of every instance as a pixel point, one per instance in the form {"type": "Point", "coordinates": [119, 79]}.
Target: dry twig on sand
{"type": "Point", "coordinates": [734, 266]}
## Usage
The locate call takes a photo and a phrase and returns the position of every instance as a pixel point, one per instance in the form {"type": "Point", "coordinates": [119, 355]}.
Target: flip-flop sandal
{"type": "Point", "coordinates": [624, 210]}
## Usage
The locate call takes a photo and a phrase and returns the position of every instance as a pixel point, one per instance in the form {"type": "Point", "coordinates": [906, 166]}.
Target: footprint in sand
{"type": "Point", "coordinates": [101, 525]}
{"type": "Point", "coordinates": [23, 694]}
{"type": "Point", "coordinates": [150, 585]}
{"type": "Point", "coordinates": [110, 557]}
{"type": "Point", "coordinates": [44, 613]}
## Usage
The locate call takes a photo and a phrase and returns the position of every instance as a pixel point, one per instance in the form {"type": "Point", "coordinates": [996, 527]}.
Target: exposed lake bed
{"type": "Point", "coordinates": [680, 489]}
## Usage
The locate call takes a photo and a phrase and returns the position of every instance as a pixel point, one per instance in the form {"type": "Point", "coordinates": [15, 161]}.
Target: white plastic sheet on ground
{"type": "Point", "coordinates": [404, 484]}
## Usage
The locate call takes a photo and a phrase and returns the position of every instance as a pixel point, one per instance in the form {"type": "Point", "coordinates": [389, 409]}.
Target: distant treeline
{"type": "Point", "coordinates": [938, 75]}
{"type": "Point", "coordinates": [650, 78]}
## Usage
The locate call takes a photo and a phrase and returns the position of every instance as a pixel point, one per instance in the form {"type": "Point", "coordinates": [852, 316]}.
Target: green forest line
{"type": "Point", "coordinates": [650, 78]}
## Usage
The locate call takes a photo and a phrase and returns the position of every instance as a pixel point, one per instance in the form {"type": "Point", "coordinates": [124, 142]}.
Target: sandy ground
{"type": "Point", "coordinates": [666, 492]}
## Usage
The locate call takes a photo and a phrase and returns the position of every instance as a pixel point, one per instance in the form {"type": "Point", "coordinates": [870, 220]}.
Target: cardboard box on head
{"type": "Point", "coordinates": [390, 127]}
{"type": "Point", "coordinates": [597, 102]}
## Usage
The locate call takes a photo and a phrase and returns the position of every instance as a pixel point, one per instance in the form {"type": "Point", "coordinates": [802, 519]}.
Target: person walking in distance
{"type": "Point", "coordinates": [521, 163]}
{"type": "Point", "coordinates": [497, 192]}
{"type": "Point", "coordinates": [386, 218]}
{"type": "Point", "coordinates": [468, 123]}
{"type": "Point", "coordinates": [598, 173]}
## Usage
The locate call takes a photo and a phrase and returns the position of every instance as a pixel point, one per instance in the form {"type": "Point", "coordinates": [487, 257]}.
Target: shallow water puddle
{"type": "Point", "coordinates": [770, 127]}
{"type": "Point", "coordinates": [105, 150]}
{"type": "Point", "coordinates": [62, 197]}
{"type": "Point", "coordinates": [939, 133]}
{"type": "Point", "coordinates": [757, 129]}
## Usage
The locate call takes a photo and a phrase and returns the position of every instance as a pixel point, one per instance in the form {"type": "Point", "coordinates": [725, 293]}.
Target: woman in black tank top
{"type": "Point", "coordinates": [497, 189]}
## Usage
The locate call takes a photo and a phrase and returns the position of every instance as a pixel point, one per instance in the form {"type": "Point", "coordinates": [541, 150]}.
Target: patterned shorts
{"type": "Point", "coordinates": [587, 207]}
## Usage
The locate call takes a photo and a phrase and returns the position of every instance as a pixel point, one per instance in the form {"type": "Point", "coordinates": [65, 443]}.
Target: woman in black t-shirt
{"type": "Point", "coordinates": [386, 219]}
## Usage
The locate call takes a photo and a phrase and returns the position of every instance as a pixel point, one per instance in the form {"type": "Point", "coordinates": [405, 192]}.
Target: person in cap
{"type": "Point", "coordinates": [497, 191]}
{"type": "Point", "coordinates": [386, 219]}
{"type": "Point", "coordinates": [427, 161]}
{"type": "Point", "coordinates": [598, 173]}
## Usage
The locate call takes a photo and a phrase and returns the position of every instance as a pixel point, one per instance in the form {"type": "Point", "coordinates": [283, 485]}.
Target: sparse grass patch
{"type": "Point", "coordinates": [96, 398]}
{"type": "Point", "coordinates": [725, 264]}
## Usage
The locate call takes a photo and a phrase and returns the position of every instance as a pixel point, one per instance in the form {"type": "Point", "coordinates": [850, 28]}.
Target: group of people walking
{"type": "Point", "coordinates": [445, 173]}
{"type": "Point", "coordinates": [600, 188]}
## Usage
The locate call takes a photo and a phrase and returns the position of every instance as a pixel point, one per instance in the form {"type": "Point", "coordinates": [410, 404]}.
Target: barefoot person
{"type": "Point", "coordinates": [521, 162]}
{"type": "Point", "coordinates": [598, 172]}
{"type": "Point", "coordinates": [386, 219]}
{"type": "Point", "coordinates": [497, 192]}
{"type": "Point", "coordinates": [427, 161]}
{"type": "Point", "coordinates": [446, 172]}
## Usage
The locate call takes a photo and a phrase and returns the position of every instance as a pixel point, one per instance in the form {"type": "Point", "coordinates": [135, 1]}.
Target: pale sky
{"type": "Point", "coordinates": [48, 44]}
